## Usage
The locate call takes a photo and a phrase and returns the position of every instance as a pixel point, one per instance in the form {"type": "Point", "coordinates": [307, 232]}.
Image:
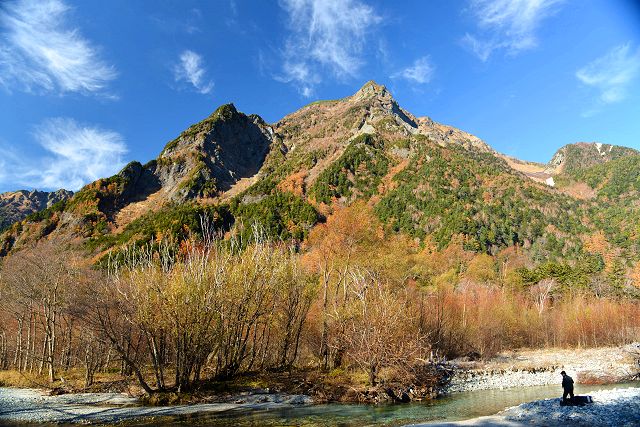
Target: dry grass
{"type": "Point", "coordinates": [21, 379]}
{"type": "Point", "coordinates": [69, 381]}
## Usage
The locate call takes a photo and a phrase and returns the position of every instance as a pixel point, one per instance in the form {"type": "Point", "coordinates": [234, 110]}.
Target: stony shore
{"type": "Point", "coordinates": [514, 369]}
{"type": "Point", "coordinates": [610, 408]}
{"type": "Point", "coordinates": [33, 406]}
{"type": "Point", "coordinates": [525, 368]}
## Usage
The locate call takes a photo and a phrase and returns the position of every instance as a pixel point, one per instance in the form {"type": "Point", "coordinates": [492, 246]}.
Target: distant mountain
{"type": "Point", "coordinates": [583, 169]}
{"type": "Point", "coordinates": [422, 178]}
{"type": "Point", "coordinates": [569, 162]}
{"type": "Point", "coordinates": [573, 158]}
{"type": "Point", "coordinates": [16, 205]}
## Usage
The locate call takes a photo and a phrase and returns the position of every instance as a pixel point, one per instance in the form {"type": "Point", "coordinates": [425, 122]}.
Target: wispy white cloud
{"type": "Point", "coordinates": [612, 73]}
{"type": "Point", "coordinates": [420, 72]}
{"type": "Point", "coordinates": [78, 153]}
{"type": "Point", "coordinates": [75, 154]}
{"type": "Point", "coordinates": [325, 35]}
{"type": "Point", "coordinates": [41, 51]}
{"type": "Point", "coordinates": [191, 69]}
{"type": "Point", "coordinates": [302, 74]}
{"type": "Point", "coordinates": [507, 24]}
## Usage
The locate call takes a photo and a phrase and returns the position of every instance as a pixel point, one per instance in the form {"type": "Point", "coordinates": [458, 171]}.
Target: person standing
{"type": "Point", "coordinates": [567, 386]}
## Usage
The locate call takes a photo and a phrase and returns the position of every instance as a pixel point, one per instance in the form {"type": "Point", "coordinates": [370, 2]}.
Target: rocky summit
{"type": "Point", "coordinates": [423, 179]}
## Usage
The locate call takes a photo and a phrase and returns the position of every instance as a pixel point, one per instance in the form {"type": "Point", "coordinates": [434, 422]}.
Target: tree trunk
{"type": "Point", "coordinates": [3, 351]}
{"type": "Point", "coordinates": [44, 354]}
{"type": "Point", "coordinates": [28, 349]}
{"type": "Point", "coordinates": [17, 358]}
{"type": "Point", "coordinates": [67, 353]}
{"type": "Point", "coordinates": [324, 342]}
{"type": "Point", "coordinates": [372, 375]}
{"type": "Point", "coordinates": [33, 343]}
{"type": "Point", "coordinates": [51, 343]}
{"type": "Point", "coordinates": [107, 361]}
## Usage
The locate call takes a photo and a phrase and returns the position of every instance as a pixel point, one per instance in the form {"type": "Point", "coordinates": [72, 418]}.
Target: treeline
{"type": "Point", "coordinates": [214, 309]}
{"type": "Point", "coordinates": [350, 298]}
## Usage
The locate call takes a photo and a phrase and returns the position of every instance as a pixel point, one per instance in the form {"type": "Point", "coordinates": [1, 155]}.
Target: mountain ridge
{"type": "Point", "coordinates": [423, 178]}
{"type": "Point", "coordinates": [17, 205]}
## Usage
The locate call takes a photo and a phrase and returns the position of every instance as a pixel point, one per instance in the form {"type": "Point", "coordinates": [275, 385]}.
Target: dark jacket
{"type": "Point", "coordinates": [567, 382]}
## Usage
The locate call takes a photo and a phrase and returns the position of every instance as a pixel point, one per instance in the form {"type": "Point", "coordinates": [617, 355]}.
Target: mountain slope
{"type": "Point", "coordinates": [424, 179]}
{"type": "Point", "coordinates": [317, 135]}
{"type": "Point", "coordinates": [573, 158]}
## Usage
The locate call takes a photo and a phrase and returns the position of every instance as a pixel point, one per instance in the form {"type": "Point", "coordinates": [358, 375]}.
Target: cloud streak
{"type": "Point", "coordinates": [75, 154]}
{"type": "Point", "coordinates": [420, 72]}
{"type": "Point", "coordinates": [509, 25]}
{"type": "Point", "coordinates": [41, 52]}
{"type": "Point", "coordinates": [326, 35]}
{"type": "Point", "coordinates": [191, 70]}
{"type": "Point", "coordinates": [612, 73]}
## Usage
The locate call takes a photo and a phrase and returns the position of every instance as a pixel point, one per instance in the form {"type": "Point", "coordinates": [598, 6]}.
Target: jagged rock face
{"type": "Point", "coordinates": [574, 157]}
{"type": "Point", "coordinates": [139, 182]}
{"type": "Point", "coordinates": [385, 112]}
{"type": "Point", "coordinates": [211, 156]}
{"type": "Point", "coordinates": [16, 205]}
{"type": "Point", "coordinates": [379, 105]}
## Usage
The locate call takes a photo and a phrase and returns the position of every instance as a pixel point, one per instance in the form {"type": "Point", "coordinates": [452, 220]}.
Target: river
{"type": "Point", "coordinates": [455, 407]}
{"type": "Point", "coordinates": [21, 405]}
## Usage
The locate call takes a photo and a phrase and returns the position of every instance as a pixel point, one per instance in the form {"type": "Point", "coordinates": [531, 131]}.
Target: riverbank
{"type": "Point", "coordinates": [523, 368]}
{"type": "Point", "coordinates": [508, 371]}
{"type": "Point", "coordinates": [338, 385]}
{"type": "Point", "coordinates": [33, 406]}
{"type": "Point", "coordinates": [18, 406]}
{"type": "Point", "coordinates": [617, 407]}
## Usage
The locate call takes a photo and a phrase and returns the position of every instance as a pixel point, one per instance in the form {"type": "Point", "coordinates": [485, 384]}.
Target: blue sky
{"type": "Point", "coordinates": [86, 86]}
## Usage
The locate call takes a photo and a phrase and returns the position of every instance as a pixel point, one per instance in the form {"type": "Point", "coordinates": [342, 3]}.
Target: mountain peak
{"type": "Point", "coordinates": [225, 111]}
{"type": "Point", "coordinates": [372, 89]}
{"type": "Point", "coordinates": [580, 155]}
{"type": "Point", "coordinates": [213, 154]}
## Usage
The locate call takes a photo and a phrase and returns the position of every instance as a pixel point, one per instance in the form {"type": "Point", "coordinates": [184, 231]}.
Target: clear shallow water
{"type": "Point", "coordinates": [451, 408]}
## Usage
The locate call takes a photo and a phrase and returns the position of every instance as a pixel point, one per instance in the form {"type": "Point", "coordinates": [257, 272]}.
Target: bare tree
{"type": "Point", "coordinates": [541, 293]}
{"type": "Point", "coordinates": [379, 331]}
{"type": "Point", "coordinates": [39, 280]}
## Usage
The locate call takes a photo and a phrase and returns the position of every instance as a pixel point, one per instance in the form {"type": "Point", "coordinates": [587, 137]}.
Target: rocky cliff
{"type": "Point", "coordinates": [16, 205]}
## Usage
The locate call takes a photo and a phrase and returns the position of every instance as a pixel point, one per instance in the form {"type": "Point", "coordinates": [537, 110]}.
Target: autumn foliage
{"type": "Point", "coordinates": [351, 297]}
